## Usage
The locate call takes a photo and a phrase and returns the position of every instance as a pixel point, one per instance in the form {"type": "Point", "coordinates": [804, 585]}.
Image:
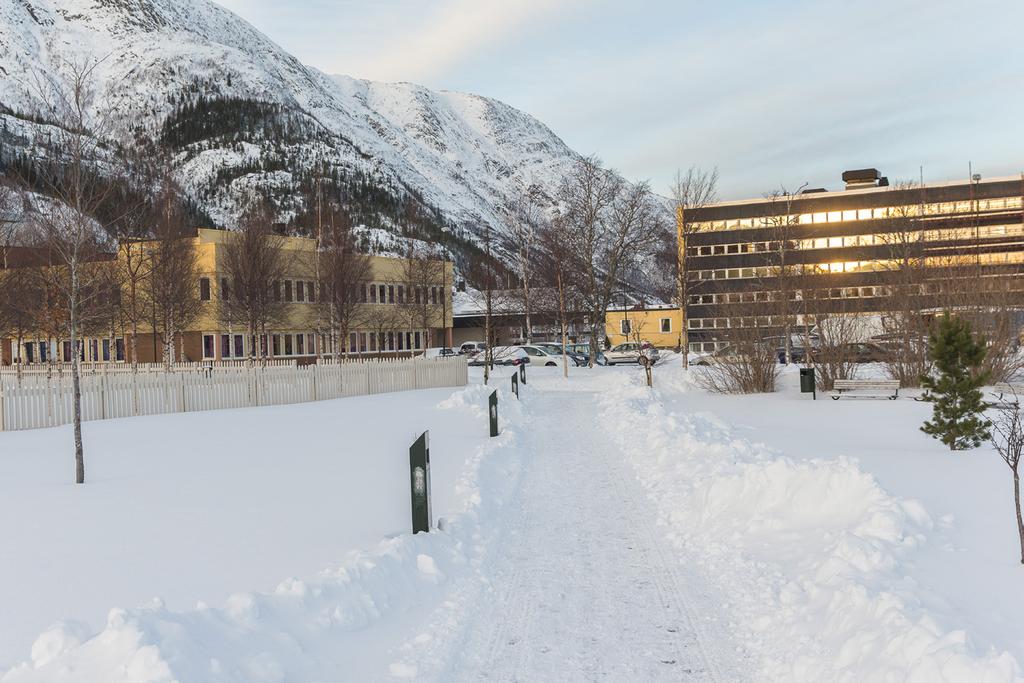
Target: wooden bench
{"type": "Point", "coordinates": [1008, 393]}
{"type": "Point", "coordinates": [877, 388]}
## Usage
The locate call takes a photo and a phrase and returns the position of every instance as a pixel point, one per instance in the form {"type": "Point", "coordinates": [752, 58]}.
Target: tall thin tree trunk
{"type": "Point", "coordinates": [1020, 521]}
{"type": "Point", "coordinates": [561, 320]}
{"type": "Point", "coordinates": [76, 383]}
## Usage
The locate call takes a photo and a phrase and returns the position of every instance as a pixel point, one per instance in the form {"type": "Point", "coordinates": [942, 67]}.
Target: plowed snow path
{"type": "Point", "coordinates": [583, 587]}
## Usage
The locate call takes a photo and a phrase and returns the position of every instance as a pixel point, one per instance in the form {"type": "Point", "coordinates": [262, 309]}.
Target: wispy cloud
{"type": "Point", "coordinates": [454, 32]}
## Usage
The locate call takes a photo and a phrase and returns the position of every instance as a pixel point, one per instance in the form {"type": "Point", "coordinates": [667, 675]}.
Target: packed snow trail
{"type": "Point", "coordinates": [582, 587]}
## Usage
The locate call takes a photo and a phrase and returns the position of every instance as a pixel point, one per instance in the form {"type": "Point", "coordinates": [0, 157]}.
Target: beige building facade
{"type": "Point", "coordinates": [387, 320]}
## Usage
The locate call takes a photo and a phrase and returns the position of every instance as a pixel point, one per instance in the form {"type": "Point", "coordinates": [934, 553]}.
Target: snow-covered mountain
{"type": "Point", "coordinates": [240, 114]}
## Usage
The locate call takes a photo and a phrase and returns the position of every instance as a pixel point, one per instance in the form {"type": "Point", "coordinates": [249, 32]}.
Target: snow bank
{"type": "Point", "coordinates": [813, 553]}
{"type": "Point", "coordinates": [304, 630]}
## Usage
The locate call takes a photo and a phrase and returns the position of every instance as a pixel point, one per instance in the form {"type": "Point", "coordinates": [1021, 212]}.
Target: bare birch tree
{"type": "Point", "coordinates": [70, 166]}
{"type": "Point", "coordinates": [172, 281]}
{"type": "Point", "coordinates": [423, 271]}
{"type": "Point", "coordinates": [345, 273]}
{"type": "Point", "coordinates": [612, 226]}
{"type": "Point", "coordinates": [692, 191]}
{"type": "Point", "coordinates": [525, 213]}
{"type": "Point", "coordinates": [254, 264]}
{"type": "Point", "coordinates": [558, 266]}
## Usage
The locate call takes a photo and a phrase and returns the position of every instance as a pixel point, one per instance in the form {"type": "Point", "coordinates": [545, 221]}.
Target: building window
{"type": "Point", "coordinates": [401, 294]}
{"type": "Point", "coordinates": [362, 293]}
{"type": "Point", "coordinates": [287, 344]}
{"type": "Point", "coordinates": [433, 295]}
{"type": "Point", "coordinates": [276, 344]}
{"type": "Point", "coordinates": [625, 326]}
{"type": "Point", "coordinates": [225, 346]}
{"type": "Point", "coordinates": [119, 349]}
{"type": "Point", "coordinates": [300, 344]}
{"type": "Point", "coordinates": [225, 291]}
{"type": "Point", "coordinates": [416, 338]}
{"type": "Point", "coordinates": [288, 290]}
{"type": "Point", "coordinates": [353, 342]}
{"type": "Point", "coordinates": [277, 290]}
{"type": "Point", "coordinates": [208, 350]}
{"type": "Point", "coordinates": [391, 341]}
{"type": "Point", "coordinates": [106, 349]}
{"type": "Point", "coordinates": [239, 346]}
{"type": "Point", "coordinates": [300, 291]}
{"type": "Point", "coordinates": [666, 325]}
{"type": "Point", "coordinates": [391, 294]}
{"type": "Point", "coordinates": [204, 289]}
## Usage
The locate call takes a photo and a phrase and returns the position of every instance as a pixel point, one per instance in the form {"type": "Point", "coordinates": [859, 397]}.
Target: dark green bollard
{"type": "Point", "coordinates": [522, 373]}
{"type": "Point", "coordinates": [419, 480]}
{"type": "Point", "coordinates": [515, 385]}
{"type": "Point", "coordinates": [493, 412]}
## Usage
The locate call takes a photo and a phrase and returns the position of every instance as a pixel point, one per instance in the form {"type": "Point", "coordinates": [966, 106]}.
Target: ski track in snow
{"type": "Point", "coordinates": [582, 588]}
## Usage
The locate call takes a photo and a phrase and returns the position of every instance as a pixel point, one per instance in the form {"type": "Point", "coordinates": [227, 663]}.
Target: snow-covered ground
{"type": "Point", "coordinates": [611, 533]}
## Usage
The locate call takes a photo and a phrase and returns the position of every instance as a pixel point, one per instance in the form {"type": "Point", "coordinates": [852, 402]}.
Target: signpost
{"type": "Point", "coordinates": [515, 385]}
{"type": "Point", "coordinates": [493, 412]}
{"type": "Point", "coordinates": [419, 482]}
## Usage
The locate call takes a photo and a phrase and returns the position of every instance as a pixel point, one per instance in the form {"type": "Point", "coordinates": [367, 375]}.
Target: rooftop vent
{"type": "Point", "coordinates": [864, 177]}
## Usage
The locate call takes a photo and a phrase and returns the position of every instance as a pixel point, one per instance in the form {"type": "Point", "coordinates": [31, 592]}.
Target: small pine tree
{"type": "Point", "coordinates": [954, 391]}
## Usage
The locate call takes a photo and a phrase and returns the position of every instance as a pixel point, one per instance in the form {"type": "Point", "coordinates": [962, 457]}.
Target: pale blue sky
{"type": "Point", "coordinates": [771, 92]}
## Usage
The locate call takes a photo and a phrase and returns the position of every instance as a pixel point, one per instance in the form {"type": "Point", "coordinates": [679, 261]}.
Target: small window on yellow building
{"type": "Point", "coordinates": [666, 325]}
{"type": "Point", "coordinates": [625, 327]}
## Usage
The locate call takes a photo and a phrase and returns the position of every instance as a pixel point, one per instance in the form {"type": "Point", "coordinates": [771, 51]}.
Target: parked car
{"type": "Point", "coordinates": [727, 354]}
{"type": "Point", "coordinates": [439, 352]}
{"type": "Point", "coordinates": [507, 355]}
{"type": "Point", "coordinates": [471, 348]}
{"type": "Point", "coordinates": [584, 351]}
{"type": "Point", "coordinates": [556, 349]}
{"type": "Point", "coordinates": [797, 354]}
{"type": "Point", "coordinates": [857, 352]}
{"type": "Point", "coordinates": [630, 352]}
{"type": "Point", "coordinates": [540, 355]}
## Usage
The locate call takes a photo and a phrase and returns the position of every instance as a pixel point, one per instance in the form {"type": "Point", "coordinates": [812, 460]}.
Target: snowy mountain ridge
{"type": "Point", "coordinates": [448, 157]}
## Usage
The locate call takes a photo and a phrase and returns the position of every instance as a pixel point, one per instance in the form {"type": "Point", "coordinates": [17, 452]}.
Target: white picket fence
{"type": "Point", "coordinates": [46, 401]}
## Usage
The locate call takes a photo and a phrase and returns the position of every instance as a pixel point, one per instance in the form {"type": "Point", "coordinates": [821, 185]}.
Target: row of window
{"type": "Point", "coordinates": [739, 322]}
{"type": "Point", "coordinates": [763, 296]}
{"type": "Point", "coordinates": [305, 291]}
{"type": "Point", "coordinates": [876, 265]}
{"type": "Point", "coordinates": [707, 347]}
{"type": "Point", "coordinates": [875, 213]}
{"type": "Point", "coordinates": [233, 345]}
{"type": "Point", "coordinates": [626, 326]}
{"type": "Point", "coordinates": [878, 239]}
{"type": "Point", "coordinates": [93, 350]}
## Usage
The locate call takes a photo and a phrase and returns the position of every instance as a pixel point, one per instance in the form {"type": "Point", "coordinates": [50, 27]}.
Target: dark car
{"type": "Point", "coordinates": [857, 352]}
{"type": "Point", "coordinates": [577, 358]}
{"type": "Point", "coordinates": [584, 351]}
{"type": "Point", "coordinates": [797, 354]}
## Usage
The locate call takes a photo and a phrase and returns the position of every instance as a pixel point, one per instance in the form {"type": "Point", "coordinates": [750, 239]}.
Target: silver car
{"type": "Point", "coordinates": [630, 352]}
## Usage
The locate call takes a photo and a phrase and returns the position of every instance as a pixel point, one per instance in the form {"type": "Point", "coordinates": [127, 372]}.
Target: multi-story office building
{"type": "Point", "coordinates": [389, 317]}
{"type": "Point", "coordinates": [848, 251]}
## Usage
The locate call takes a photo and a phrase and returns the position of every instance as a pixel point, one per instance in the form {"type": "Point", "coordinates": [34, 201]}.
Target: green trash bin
{"type": "Point", "coordinates": [807, 381]}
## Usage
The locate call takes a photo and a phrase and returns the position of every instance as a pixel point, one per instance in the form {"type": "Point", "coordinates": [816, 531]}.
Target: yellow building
{"type": "Point", "coordinates": [659, 325]}
{"type": "Point", "coordinates": [387, 321]}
